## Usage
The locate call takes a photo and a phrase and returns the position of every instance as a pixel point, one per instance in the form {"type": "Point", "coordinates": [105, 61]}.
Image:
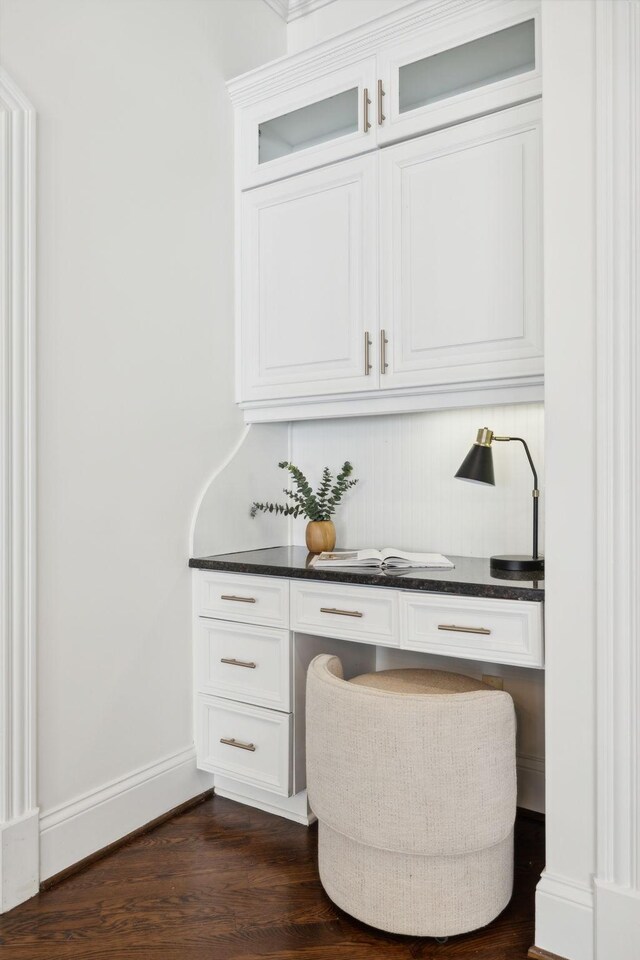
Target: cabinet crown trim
{"type": "Point", "coordinates": [289, 71]}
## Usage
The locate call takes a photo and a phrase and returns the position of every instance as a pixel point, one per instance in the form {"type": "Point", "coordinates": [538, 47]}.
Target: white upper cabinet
{"type": "Point", "coordinates": [309, 299]}
{"type": "Point", "coordinates": [389, 196]}
{"type": "Point", "coordinates": [413, 71]}
{"type": "Point", "coordinates": [314, 124]}
{"type": "Point", "coordinates": [460, 268]}
{"type": "Point", "coordinates": [431, 80]}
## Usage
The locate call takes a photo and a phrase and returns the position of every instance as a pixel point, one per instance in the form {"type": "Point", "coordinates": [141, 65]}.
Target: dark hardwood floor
{"type": "Point", "coordinates": [226, 882]}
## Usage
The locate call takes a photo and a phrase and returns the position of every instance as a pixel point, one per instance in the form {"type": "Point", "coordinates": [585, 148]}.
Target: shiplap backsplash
{"type": "Point", "coordinates": [407, 496]}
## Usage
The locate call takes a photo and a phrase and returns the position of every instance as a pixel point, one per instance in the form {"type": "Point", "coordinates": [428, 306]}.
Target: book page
{"type": "Point", "coordinates": [394, 557]}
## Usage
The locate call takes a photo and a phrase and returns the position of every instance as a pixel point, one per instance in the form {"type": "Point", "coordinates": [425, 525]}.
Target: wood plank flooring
{"type": "Point", "coordinates": [226, 882]}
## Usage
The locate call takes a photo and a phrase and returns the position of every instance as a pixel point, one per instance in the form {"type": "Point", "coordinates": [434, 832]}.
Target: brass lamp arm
{"type": "Point", "coordinates": [526, 450]}
{"type": "Point", "coordinates": [536, 492]}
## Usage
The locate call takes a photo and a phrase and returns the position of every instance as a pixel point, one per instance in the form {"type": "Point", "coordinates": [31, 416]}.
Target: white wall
{"type": "Point", "coordinates": [135, 331]}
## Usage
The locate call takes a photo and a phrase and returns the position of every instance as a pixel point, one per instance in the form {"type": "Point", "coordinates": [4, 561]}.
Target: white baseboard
{"type": "Point", "coordinates": [617, 922]}
{"type": "Point", "coordinates": [19, 878]}
{"type": "Point", "coordinates": [530, 782]}
{"type": "Point", "coordinates": [294, 808]}
{"type": "Point", "coordinates": [76, 829]}
{"type": "Point", "coordinates": [564, 919]}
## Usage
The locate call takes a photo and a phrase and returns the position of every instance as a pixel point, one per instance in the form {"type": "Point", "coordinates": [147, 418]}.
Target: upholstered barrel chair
{"type": "Point", "coordinates": [411, 774]}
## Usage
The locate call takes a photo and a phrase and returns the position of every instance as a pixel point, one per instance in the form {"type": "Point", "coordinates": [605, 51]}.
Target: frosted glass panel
{"type": "Point", "coordinates": [321, 121]}
{"type": "Point", "coordinates": [496, 57]}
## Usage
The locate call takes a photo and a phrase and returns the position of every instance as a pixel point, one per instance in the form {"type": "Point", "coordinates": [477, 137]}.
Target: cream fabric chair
{"type": "Point", "coordinates": [411, 774]}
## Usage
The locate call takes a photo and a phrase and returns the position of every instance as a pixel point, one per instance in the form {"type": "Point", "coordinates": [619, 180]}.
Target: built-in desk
{"type": "Point", "coordinates": [261, 616]}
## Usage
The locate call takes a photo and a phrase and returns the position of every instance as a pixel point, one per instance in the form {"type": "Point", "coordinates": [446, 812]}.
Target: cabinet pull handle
{"type": "Point", "coordinates": [238, 663]}
{"type": "Point", "coordinates": [230, 596]}
{"type": "Point", "coordinates": [456, 629]}
{"type": "Point", "coordinates": [343, 613]}
{"type": "Point", "coordinates": [383, 352]}
{"type": "Point", "coordinates": [367, 354]}
{"type": "Point", "coordinates": [231, 742]}
{"type": "Point", "coordinates": [381, 116]}
{"type": "Point", "coordinates": [365, 105]}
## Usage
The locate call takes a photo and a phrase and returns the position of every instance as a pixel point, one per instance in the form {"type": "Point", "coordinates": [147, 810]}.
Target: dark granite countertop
{"type": "Point", "coordinates": [470, 578]}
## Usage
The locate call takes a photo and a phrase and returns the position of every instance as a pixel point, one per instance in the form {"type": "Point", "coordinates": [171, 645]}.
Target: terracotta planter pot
{"type": "Point", "coordinates": [320, 535]}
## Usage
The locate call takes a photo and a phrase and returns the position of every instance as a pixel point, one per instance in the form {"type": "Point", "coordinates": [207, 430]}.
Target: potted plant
{"type": "Point", "coordinates": [317, 507]}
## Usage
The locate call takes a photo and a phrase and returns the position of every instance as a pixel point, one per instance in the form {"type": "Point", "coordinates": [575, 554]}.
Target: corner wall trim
{"type": "Point", "coordinates": [617, 901]}
{"type": "Point", "coordinates": [75, 830]}
{"type": "Point", "coordinates": [18, 810]}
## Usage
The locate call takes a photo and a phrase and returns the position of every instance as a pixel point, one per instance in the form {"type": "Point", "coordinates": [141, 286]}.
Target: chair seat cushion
{"type": "Point", "coordinates": [414, 680]}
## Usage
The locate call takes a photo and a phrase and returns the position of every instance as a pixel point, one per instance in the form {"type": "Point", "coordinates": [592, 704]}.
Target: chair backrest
{"type": "Point", "coordinates": [412, 773]}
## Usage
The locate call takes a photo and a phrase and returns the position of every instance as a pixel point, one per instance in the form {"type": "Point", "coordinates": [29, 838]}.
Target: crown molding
{"type": "Point", "coordinates": [281, 7]}
{"type": "Point", "coordinates": [293, 9]}
{"type": "Point", "coordinates": [289, 71]}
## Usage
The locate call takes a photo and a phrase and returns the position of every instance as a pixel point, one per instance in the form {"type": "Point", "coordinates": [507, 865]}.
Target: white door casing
{"type": "Point", "coordinates": [617, 881]}
{"type": "Point", "coordinates": [19, 873]}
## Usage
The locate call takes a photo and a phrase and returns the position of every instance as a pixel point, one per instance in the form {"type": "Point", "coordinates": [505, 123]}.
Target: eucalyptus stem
{"type": "Point", "coordinates": [303, 501]}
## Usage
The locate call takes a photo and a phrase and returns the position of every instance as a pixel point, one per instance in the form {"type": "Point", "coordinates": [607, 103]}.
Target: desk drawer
{"type": "Point", "coordinates": [498, 631]}
{"type": "Point", "coordinates": [367, 614]}
{"type": "Point", "coordinates": [231, 596]}
{"type": "Point", "coordinates": [244, 662]}
{"type": "Point", "coordinates": [249, 744]}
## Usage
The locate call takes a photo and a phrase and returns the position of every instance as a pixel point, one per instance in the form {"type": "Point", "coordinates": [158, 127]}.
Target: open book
{"type": "Point", "coordinates": [388, 557]}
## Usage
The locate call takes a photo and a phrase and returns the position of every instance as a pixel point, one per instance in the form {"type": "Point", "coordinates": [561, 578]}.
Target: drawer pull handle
{"type": "Point", "coordinates": [342, 613]}
{"type": "Point", "coordinates": [230, 596]}
{"type": "Point", "coordinates": [456, 629]}
{"type": "Point", "coordinates": [231, 742]}
{"type": "Point", "coordinates": [238, 663]}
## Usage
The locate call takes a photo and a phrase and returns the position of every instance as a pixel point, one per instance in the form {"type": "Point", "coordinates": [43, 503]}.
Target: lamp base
{"type": "Point", "coordinates": [518, 563]}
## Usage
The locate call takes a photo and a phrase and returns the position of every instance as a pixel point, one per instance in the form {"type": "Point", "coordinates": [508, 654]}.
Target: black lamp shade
{"type": "Point", "coordinates": [477, 466]}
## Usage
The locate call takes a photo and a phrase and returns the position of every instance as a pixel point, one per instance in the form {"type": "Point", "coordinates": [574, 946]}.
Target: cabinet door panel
{"type": "Point", "coordinates": [461, 252]}
{"type": "Point", "coordinates": [309, 265]}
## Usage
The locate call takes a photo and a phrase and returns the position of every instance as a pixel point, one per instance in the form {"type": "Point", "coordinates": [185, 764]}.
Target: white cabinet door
{"type": "Point", "coordinates": [309, 295]}
{"type": "Point", "coordinates": [482, 63]}
{"type": "Point", "coordinates": [318, 122]}
{"type": "Point", "coordinates": [461, 270]}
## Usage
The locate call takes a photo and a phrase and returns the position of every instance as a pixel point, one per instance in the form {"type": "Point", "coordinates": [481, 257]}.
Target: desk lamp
{"type": "Point", "coordinates": [477, 467]}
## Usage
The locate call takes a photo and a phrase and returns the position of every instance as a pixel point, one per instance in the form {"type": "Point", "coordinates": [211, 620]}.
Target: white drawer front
{"type": "Point", "coordinates": [500, 631]}
{"type": "Point", "coordinates": [258, 747]}
{"type": "Point", "coordinates": [232, 596]}
{"type": "Point", "coordinates": [244, 662]}
{"type": "Point", "coordinates": [367, 614]}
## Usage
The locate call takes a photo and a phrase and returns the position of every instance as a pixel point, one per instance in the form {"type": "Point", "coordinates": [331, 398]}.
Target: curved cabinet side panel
{"type": "Point", "coordinates": [222, 522]}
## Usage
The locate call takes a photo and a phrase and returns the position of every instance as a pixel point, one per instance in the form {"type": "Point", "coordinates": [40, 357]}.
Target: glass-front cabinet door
{"type": "Point", "coordinates": [430, 82]}
{"type": "Point", "coordinates": [315, 123]}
